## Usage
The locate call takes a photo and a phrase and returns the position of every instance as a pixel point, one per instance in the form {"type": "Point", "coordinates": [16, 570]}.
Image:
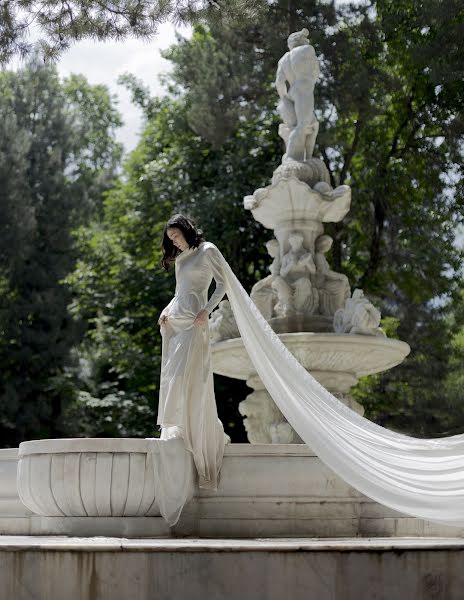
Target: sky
{"type": "Point", "coordinates": [103, 62]}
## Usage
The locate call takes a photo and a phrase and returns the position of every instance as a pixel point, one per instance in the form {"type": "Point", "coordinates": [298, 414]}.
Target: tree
{"type": "Point", "coordinates": [389, 104]}
{"type": "Point", "coordinates": [118, 282]}
{"type": "Point", "coordinates": [45, 152]}
{"type": "Point", "coordinates": [227, 70]}
{"type": "Point", "coordinates": [389, 128]}
{"type": "Point", "coordinates": [61, 23]}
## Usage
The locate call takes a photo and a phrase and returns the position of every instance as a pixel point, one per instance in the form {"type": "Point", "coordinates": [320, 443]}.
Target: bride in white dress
{"type": "Point", "coordinates": [187, 405]}
{"type": "Point", "coordinates": [419, 477]}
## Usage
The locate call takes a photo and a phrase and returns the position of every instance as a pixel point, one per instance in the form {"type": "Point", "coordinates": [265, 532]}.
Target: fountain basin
{"type": "Point", "coordinates": [324, 355]}
{"type": "Point", "coordinates": [266, 490]}
{"type": "Point", "coordinates": [335, 360]}
{"type": "Point", "coordinates": [87, 477]}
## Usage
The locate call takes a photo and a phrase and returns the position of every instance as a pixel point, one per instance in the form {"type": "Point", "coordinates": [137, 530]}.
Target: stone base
{"type": "Point", "coordinates": [266, 490]}
{"type": "Point", "coordinates": [195, 569]}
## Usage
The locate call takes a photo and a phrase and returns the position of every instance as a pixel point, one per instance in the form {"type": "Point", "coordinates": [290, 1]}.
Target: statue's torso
{"type": "Point", "coordinates": [299, 67]}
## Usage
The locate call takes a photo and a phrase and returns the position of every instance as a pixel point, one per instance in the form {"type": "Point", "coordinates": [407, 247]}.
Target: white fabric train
{"type": "Point", "coordinates": [420, 477]}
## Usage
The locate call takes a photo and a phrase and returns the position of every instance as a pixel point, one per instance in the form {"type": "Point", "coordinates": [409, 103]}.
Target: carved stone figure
{"type": "Point", "coordinates": [222, 325]}
{"type": "Point", "coordinates": [260, 412]}
{"type": "Point", "coordinates": [334, 288]}
{"type": "Point", "coordinates": [264, 423]}
{"type": "Point", "coordinates": [262, 293]}
{"type": "Point", "coordinates": [297, 73]}
{"type": "Point", "coordinates": [294, 288]}
{"type": "Point", "coordinates": [358, 316]}
{"type": "Point", "coordinates": [328, 193]}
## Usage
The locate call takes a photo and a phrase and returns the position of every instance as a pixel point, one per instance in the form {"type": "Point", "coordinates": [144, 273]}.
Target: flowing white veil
{"type": "Point", "coordinates": [420, 477]}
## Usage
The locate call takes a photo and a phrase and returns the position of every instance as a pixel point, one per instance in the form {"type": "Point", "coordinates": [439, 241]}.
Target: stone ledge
{"type": "Point", "coordinates": [160, 544]}
{"type": "Point", "coordinates": [123, 445]}
{"type": "Point", "coordinates": [115, 544]}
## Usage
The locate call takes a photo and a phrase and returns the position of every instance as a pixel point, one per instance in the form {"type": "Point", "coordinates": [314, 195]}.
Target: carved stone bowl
{"type": "Point", "coordinates": [88, 477]}
{"type": "Point", "coordinates": [329, 357]}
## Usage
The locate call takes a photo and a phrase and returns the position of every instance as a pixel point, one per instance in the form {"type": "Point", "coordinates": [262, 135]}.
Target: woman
{"type": "Point", "coordinates": [422, 478]}
{"type": "Point", "coordinates": [187, 406]}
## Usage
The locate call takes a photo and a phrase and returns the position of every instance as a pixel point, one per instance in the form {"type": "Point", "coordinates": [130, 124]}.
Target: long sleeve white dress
{"type": "Point", "coordinates": [419, 477]}
{"type": "Point", "coordinates": [187, 405]}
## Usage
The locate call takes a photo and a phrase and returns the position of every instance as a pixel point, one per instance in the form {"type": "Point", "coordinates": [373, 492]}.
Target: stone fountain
{"type": "Point", "coordinates": [334, 333]}
{"type": "Point", "coordinates": [68, 506]}
{"type": "Point", "coordinates": [274, 486]}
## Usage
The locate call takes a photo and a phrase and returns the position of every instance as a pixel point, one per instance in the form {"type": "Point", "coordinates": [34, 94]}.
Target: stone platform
{"type": "Point", "coordinates": [304, 533]}
{"type": "Point", "coordinates": [266, 490]}
{"type": "Point", "coordinates": [49, 568]}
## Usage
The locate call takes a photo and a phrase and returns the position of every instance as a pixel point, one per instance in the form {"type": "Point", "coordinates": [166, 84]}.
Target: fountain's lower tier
{"type": "Point", "coordinates": [89, 487]}
{"type": "Point", "coordinates": [326, 356]}
{"type": "Point", "coordinates": [336, 361]}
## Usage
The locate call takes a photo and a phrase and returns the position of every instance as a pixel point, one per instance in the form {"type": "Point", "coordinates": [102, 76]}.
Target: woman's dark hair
{"type": "Point", "coordinates": [192, 234]}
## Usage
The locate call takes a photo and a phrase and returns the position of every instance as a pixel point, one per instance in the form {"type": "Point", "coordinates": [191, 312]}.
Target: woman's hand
{"type": "Point", "coordinates": [163, 318]}
{"type": "Point", "coordinates": [201, 318]}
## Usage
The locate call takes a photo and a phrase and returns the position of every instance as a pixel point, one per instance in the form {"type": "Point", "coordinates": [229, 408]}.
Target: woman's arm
{"type": "Point", "coordinates": [213, 258]}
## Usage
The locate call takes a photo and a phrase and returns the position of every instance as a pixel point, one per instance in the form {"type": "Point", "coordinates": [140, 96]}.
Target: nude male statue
{"type": "Point", "coordinates": [297, 73]}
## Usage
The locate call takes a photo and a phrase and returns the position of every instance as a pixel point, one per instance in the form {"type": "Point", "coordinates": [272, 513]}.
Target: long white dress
{"type": "Point", "coordinates": [187, 405]}
{"type": "Point", "coordinates": [419, 477]}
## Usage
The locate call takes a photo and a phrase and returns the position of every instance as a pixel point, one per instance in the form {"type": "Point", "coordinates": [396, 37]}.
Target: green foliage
{"type": "Point", "coordinates": [118, 283]}
{"type": "Point", "coordinates": [389, 103]}
{"type": "Point", "coordinates": [42, 157]}
{"type": "Point", "coordinates": [98, 155]}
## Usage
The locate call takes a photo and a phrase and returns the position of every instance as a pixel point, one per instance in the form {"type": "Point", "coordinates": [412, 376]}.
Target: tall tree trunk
{"type": "Point", "coordinates": [291, 11]}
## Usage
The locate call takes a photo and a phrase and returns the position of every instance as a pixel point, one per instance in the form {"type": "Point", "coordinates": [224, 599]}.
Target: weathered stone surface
{"type": "Point", "coordinates": [195, 569]}
{"type": "Point", "coordinates": [88, 477]}
{"type": "Point", "coordinates": [266, 490]}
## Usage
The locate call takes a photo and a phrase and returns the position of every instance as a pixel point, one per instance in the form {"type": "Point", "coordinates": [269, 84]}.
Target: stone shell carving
{"type": "Point", "coordinates": [291, 200]}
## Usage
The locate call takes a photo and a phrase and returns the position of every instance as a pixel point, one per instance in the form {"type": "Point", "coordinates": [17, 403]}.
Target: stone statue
{"type": "Point", "coordinates": [333, 288]}
{"type": "Point", "coordinates": [297, 73]}
{"type": "Point", "coordinates": [222, 325]}
{"type": "Point", "coordinates": [264, 423]}
{"type": "Point", "coordinates": [262, 293]}
{"type": "Point", "coordinates": [358, 316]}
{"type": "Point", "coordinates": [328, 193]}
{"type": "Point", "coordinates": [294, 288]}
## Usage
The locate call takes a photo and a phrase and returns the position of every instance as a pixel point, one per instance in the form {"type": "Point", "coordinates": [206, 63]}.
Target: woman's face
{"type": "Point", "coordinates": [177, 237]}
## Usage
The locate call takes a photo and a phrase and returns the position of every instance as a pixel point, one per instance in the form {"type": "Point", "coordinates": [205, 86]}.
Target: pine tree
{"type": "Point", "coordinates": [61, 23]}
